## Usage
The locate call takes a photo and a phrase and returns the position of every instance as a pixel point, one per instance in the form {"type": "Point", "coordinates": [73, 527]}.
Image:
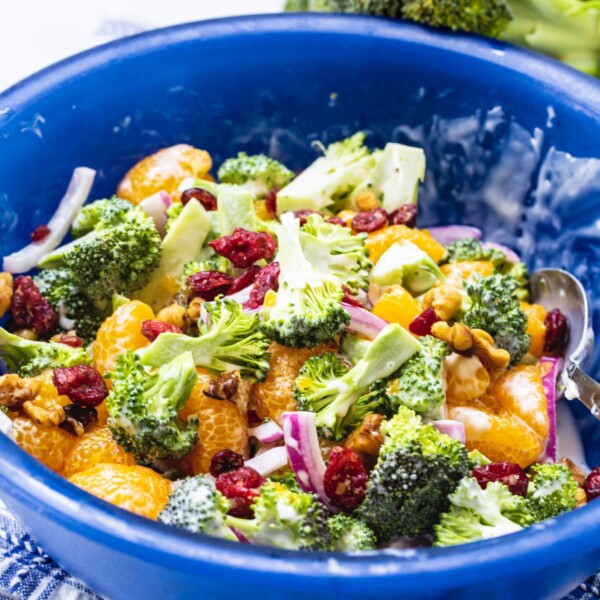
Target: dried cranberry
{"type": "Point", "coordinates": [151, 329]}
{"type": "Point", "coordinates": [557, 333]}
{"type": "Point", "coordinates": [304, 214]}
{"type": "Point", "coordinates": [83, 385]}
{"type": "Point", "coordinates": [271, 200]}
{"type": "Point", "coordinates": [208, 200]}
{"type": "Point", "coordinates": [267, 279]}
{"type": "Point", "coordinates": [244, 280]}
{"type": "Point", "coordinates": [405, 215]}
{"type": "Point", "coordinates": [30, 309]}
{"type": "Point", "coordinates": [510, 474]}
{"type": "Point", "coordinates": [241, 487]}
{"type": "Point", "coordinates": [77, 418]}
{"type": "Point", "coordinates": [225, 461]}
{"type": "Point", "coordinates": [371, 220]}
{"type": "Point", "coordinates": [40, 233]}
{"type": "Point", "coordinates": [349, 298]}
{"type": "Point", "coordinates": [244, 247]}
{"type": "Point", "coordinates": [592, 484]}
{"type": "Point", "coordinates": [71, 340]}
{"type": "Point", "coordinates": [345, 479]}
{"type": "Point", "coordinates": [422, 324]}
{"type": "Point", "coordinates": [253, 419]}
{"type": "Point", "coordinates": [336, 221]}
{"type": "Point", "coordinates": [209, 284]}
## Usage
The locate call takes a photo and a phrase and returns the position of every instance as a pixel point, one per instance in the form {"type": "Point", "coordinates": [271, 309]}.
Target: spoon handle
{"type": "Point", "coordinates": [588, 390]}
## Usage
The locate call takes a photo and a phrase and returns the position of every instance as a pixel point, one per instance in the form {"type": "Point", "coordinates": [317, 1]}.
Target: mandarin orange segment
{"type": "Point", "coordinates": [379, 241]}
{"type": "Point", "coordinates": [94, 448]}
{"type": "Point", "coordinates": [535, 327]}
{"type": "Point", "coordinates": [274, 396]}
{"type": "Point", "coordinates": [396, 305]}
{"type": "Point", "coordinates": [221, 426]}
{"type": "Point", "coordinates": [164, 170]}
{"type": "Point", "coordinates": [466, 379]}
{"type": "Point", "coordinates": [49, 445]}
{"type": "Point", "coordinates": [132, 487]}
{"type": "Point", "coordinates": [458, 272]}
{"type": "Point", "coordinates": [120, 332]}
{"type": "Point", "coordinates": [47, 389]}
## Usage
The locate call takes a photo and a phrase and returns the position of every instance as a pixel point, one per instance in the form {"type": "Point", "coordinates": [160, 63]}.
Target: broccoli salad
{"type": "Point", "coordinates": [286, 359]}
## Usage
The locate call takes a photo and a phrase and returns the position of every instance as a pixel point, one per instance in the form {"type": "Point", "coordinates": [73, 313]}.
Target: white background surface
{"type": "Point", "coordinates": [37, 33]}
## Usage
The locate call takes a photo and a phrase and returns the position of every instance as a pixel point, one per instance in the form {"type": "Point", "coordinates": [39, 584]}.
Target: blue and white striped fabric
{"type": "Point", "coordinates": [28, 573]}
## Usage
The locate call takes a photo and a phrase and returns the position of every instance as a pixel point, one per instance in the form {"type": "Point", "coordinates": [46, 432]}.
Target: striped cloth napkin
{"type": "Point", "coordinates": [28, 573]}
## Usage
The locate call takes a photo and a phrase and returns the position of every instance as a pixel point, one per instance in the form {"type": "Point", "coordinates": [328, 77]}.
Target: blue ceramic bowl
{"type": "Point", "coordinates": [510, 140]}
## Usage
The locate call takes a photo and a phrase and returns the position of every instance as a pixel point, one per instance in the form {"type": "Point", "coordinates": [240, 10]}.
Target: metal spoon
{"type": "Point", "coordinates": [555, 288]}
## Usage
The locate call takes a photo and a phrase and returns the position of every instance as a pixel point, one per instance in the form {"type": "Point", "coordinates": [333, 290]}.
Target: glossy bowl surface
{"type": "Point", "coordinates": [512, 141]}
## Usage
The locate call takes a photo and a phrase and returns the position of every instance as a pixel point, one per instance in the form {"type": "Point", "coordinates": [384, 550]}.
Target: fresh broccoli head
{"type": "Point", "coordinates": [112, 259]}
{"type": "Point", "coordinates": [306, 310]}
{"type": "Point", "coordinates": [257, 173]}
{"type": "Point", "coordinates": [420, 383]}
{"type": "Point", "coordinates": [285, 519]}
{"type": "Point", "coordinates": [477, 514]}
{"type": "Point", "coordinates": [551, 491]}
{"type": "Point", "coordinates": [29, 358]}
{"type": "Point", "coordinates": [338, 394]}
{"type": "Point", "coordinates": [518, 271]}
{"type": "Point", "coordinates": [198, 507]}
{"type": "Point", "coordinates": [495, 309]}
{"type": "Point", "coordinates": [330, 178]}
{"type": "Point", "coordinates": [334, 250]}
{"type": "Point", "coordinates": [349, 534]}
{"type": "Point", "coordinates": [143, 407]}
{"type": "Point", "coordinates": [418, 467]}
{"type": "Point", "coordinates": [230, 340]}
{"type": "Point", "coordinates": [471, 249]}
{"type": "Point", "coordinates": [76, 311]}
{"type": "Point", "coordinates": [101, 214]}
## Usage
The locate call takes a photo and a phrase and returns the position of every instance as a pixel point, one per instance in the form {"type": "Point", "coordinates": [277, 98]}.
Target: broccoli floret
{"type": "Point", "coordinates": [230, 340]}
{"type": "Point", "coordinates": [477, 514]}
{"type": "Point", "coordinates": [354, 347]}
{"type": "Point", "coordinates": [418, 467]}
{"type": "Point", "coordinates": [114, 259]}
{"type": "Point", "coordinates": [257, 173]}
{"type": "Point", "coordinates": [420, 383]}
{"type": "Point", "coordinates": [285, 519]}
{"type": "Point", "coordinates": [173, 213]}
{"type": "Point", "coordinates": [349, 534]}
{"type": "Point", "coordinates": [198, 507]}
{"type": "Point", "coordinates": [76, 311]}
{"type": "Point", "coordinates": [336, 251]}
{"type": "Point", "coordinates": [551, 491]}
{"type": "Point", "coordinates": [495, 309]}
{"type": "Point", "coordinates": [306, 310]}
{"type": "Point", "coordinates": [143, 407]}
{"type": "Point", "coordinates": [29, 358]}
{"type": "Point", "coordinates": [101, 214]}
{"type": "Point", "coordinates": [339, 395]}
{"type": "Point", "coordinates": [215, 263]}
{"type": "Point", "coordinates": [518, 271]}
{"type": "Point", "coordinates": [471, 249]}
{"type": "Point", "coordinates": [331, 178]}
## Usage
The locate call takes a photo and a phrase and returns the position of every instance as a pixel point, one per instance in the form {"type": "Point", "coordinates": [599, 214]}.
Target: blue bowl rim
{"type": "Point", "coordinates": [552, 542]}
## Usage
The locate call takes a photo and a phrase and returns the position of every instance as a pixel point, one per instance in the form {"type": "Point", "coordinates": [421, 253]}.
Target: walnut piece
{"type": "Point", "coordinates": [194, 308]}
{"type": "Point", "coordinates": [577, 473]}
{"type": "Point", "coordinates": [230, 386]}
{"type": "Point", "coordinates": [44, 411]}
{"type": "Point", "coordinates": [15, 391]}
{"type": "Point", "coordinates": [174, 314]}
{"type": "Point", "coordinates": [581, 498]}
{"type": "Point", "coordinates": [444, 299]}
{"type": "Point", "coordinates": [366, 440]}
{"type": "Point", "coordinates": [366, 201]}
{"type": "Point", "coordinates": [6, 292]}
{"type": "Point", "coordinates": [26, 334]}
{"type": "Point", "coordinates": [458, 336]}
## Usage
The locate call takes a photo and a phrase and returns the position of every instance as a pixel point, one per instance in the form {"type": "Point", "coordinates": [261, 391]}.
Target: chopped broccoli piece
{"type": "Point", "coordinates": [471, 249]}
{"type": "Point", "coordinates": [354, 347]}
{"type": "Point", "coordinates": [257, 173]}
{"type": "Point", "coordinates": [285, 519]}
{"type": "Point", "coordinates": [518, 271]}
{"type": "Point", "coordinates": [477, 514]}
{"type": "Point", "coordinates": [101, 214]}
{"type": "Point", "coordinates": [143, 407]}
{"type": "Point", "coordinates": [420, 383]}
{"type": "Point", "coordinates": [476, 459]}
{"type": "Point", "coordinates": [551, 491]}
{"type": "Point", "coordinates": [198, 507]}
{"type": "Point", "coordinates": [231, 340]}
{"type": "Point", "coordinates": [418, 467]}
{"type": "Point", "coordinates": [495, 309]}
{"type": "Point", "coordinates": [349, 534]}
{"type": "Point", "coordinates": [173, 213]}
{"type": "Point", "coordinates": [111, 259]}
{"type": "Point", "coordinates": [29, 358]}
{"type": "Point", "coordinates": [331, 178]}
{"type": "Point", "coordinates": [326, 386]}
{"type": "Point", "coordinates": [334, 250]}
{"type": "Point", "coordinates": [306, 310]}
{"type": "Point", "coordinates": [406, 264]}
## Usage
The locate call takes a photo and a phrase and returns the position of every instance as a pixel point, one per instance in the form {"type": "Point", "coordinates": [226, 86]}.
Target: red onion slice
{"type": "Point", "coordinates": [266, 433]}
{"type": "Point", "coordinates": [364, 322]}
{"type": "Point", "coordinates": [77, 193]}
{"type": "Point", "coordinates": [510, 255]}
{"type": "Point", "coordinates": [551, 367]}
{"type": "Point", "coordinates": [453, 429]}
{"type": "Point", "coordinates": [156, 206]}
{"type": "Point", "coordinates": [450, 233]}
{"type": "Point", "coordinates": [270, 461]}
